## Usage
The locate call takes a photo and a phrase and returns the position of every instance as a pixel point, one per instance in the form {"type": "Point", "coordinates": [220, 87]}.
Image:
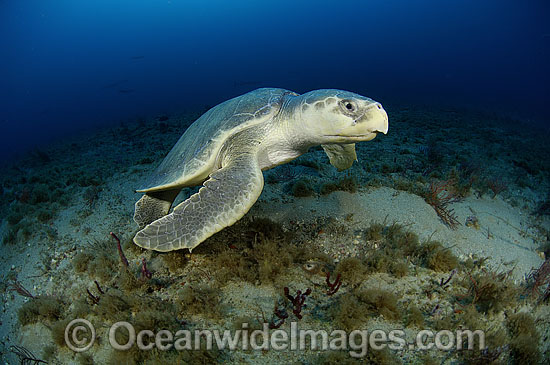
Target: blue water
{"type": "Point", "coordinates": [71, 66]}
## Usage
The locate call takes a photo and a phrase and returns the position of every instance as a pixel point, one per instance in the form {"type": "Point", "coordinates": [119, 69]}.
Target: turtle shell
{"type": "Point", "coordinates": [193, 157]}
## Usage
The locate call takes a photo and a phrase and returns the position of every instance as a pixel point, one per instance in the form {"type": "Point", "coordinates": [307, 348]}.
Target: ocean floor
{"type": "Point", "coordinates": [443, 224]}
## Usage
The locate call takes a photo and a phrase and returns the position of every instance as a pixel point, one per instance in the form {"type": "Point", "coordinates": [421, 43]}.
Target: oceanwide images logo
{"type": "Point", "coordinates": [80, 336]}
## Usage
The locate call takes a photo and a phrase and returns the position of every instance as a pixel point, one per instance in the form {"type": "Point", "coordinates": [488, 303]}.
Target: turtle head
{"type": "Point", "coordinates": [336, 116]}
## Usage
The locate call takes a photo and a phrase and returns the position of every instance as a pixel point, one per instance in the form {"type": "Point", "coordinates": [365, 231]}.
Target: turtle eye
{"type": "Point", "coordinates": [348, 106]}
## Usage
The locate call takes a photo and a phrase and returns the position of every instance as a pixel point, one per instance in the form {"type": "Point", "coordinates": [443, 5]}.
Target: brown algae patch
{"type": "Point", "coordinates": [257, 271]}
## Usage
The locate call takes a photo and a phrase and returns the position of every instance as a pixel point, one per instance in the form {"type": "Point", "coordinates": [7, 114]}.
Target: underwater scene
{"type": "Point", "coordinates": [290, 182]}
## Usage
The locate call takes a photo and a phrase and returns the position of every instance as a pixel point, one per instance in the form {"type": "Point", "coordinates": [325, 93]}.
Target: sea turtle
{"type": "Point", "coordinates": [227, 148]}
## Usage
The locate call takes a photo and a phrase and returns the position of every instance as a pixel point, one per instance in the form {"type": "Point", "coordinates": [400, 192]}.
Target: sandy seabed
{"type": "Point", "coordinates": [60, 203]}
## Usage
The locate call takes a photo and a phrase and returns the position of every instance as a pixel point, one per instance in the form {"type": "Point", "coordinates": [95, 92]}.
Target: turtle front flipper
{"type": "Point", "coordinates": [224, 198]}
{"type": "Point", "coordinates": [341, 156]}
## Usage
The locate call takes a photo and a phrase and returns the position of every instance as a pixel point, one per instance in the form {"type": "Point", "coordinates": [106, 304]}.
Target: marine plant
{"type": "Point", "coordinates": [490, 291]}
{"type": "Point", "coordinates": [259, 251]}
{"type": "Point", "coordinates": [497, 186]}
{"type": "Point", "coordinates": [352, 270]}
{"type": "Point", "coordinates": [347, 183]}
{"type": "Point", "coordinates": [123, 258]}
{"type": "Point", "coordinates": [335, 286]}
{"type": "Point", "coordinates": [25, 356]}
{"type": "Point", "coordinates": [200, 299]}
{"type": "Point", "coordinates": [436, 257]}
{"type": "Point", "coordinates": [377, 357]}
{"type": "Point", "coordinates": [16, 286]}
{"type": "Point", "coordinates": [297, 301]}
{"type": "Point", "coordinates": [281, 314]}
{"type": "Point", "coordinates": [543, 207]}
{"type": "Point", "coordinates": [302, 188]}
{"type": "Point", "coordinates": [40, 308]}
{"type": "Point", "coordinates": [440, 195]}
{"type": "Point", "coordinates": [414, 317]}
{"type": "Point", "coordinates": [538, 281]}
{"type": "Point", "coordinates": [354, 308]}
{"type": "Point", "coordinates": [379, 301]}
{"type": "Point", "coordinates": [525, 338]}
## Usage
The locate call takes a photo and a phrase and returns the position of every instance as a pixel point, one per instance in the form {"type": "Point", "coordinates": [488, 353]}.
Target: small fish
{"type": "Point", "coordinates": [316, 267]}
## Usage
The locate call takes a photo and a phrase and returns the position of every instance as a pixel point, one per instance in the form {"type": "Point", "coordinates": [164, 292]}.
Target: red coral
{"type": "Point", "coordinates": [333, 287]}
{"type": "Point", "coordinates": [298, 301]}
{"type": "Point", "coordinates": [281, 314]}
{"type": "Point", "coordinates": [497, 186]}
{"type": "Point", "coordinates": [123, 258]}
{"type": "Point", "coordinates": [539, 280]}
{"type": "Point", "coordinates": [145, 273]}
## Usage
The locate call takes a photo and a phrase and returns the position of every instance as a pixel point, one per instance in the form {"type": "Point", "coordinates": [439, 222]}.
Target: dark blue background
{"type": "Point", "coordinates": [69, 66]}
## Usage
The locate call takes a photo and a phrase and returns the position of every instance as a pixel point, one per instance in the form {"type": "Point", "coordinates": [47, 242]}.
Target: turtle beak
{"type": "Point", "coordinates": [377, 119]}
{"type": "Point", "coordinates": [372, 122]}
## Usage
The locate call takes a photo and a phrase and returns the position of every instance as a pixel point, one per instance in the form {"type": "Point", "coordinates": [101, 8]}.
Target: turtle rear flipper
{"type": "Point", "coordinates": [225, 197]}
{"type": "Point", "coordinates": [153, 206]}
